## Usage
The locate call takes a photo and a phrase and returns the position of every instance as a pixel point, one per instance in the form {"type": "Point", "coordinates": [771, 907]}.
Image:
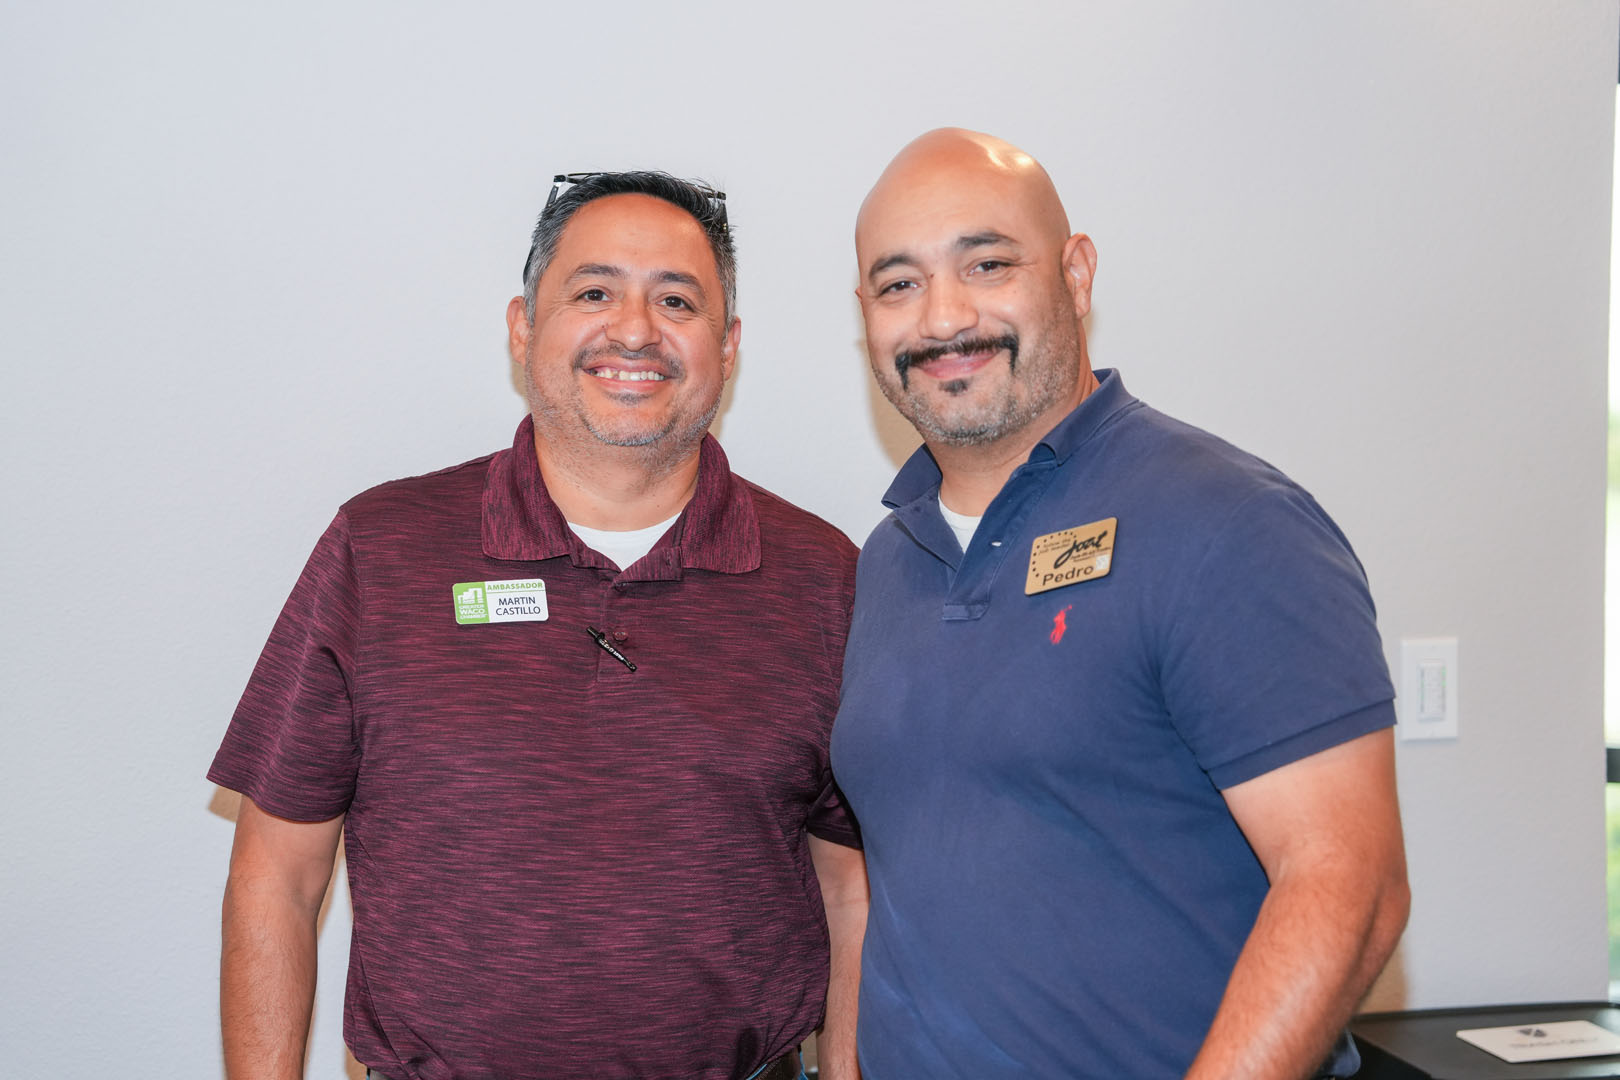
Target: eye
{"type": "Point", "coordinates": [896, 286]}
{"type": "Point", "coordinates": [988, 266]}
{"type": "Point", "coordinates": [676, 302]}
{"type": "Point", "coordinates": [593, 295]}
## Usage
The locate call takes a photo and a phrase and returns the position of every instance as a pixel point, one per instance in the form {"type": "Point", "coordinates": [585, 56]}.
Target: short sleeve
{"type": "Point", "coordinates": [291, 744]}
{"type": "Point", "coordinates": [830, 819]}
{"type": "Point", "coordinates": [1272, 651]}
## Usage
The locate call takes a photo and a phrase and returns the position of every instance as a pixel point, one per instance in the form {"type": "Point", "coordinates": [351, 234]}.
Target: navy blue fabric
{"type": "Point", "coordinates": [1058, 888]}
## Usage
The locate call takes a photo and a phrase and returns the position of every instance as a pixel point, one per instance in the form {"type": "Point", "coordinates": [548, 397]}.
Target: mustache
{"type": "Point", "coordinates": [671, 365]}
{"type": "Point", "coordinates": [905, 361]}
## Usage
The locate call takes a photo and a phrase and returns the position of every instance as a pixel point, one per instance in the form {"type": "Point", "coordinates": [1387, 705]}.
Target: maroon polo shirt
{"type": "Point", "coordinates": [561, 867]}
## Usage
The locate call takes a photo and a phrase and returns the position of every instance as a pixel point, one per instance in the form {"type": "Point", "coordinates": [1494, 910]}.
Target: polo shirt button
{"type": "Point", "coordinates": [620, 636]}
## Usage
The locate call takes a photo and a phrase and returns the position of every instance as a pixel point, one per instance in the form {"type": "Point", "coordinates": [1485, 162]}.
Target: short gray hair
{"type": "Point", "coordinates": [697, 200]}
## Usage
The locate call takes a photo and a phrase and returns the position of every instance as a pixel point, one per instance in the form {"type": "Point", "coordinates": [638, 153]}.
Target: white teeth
{"type": "Point", "coordinates": [627, 376]}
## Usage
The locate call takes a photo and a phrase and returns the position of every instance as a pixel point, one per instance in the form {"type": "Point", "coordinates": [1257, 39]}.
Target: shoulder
{"type": "Point", "coordinates": [786, 528]}
{"type": "Point", "coordinates": [408, 518]}
{"type": "Point", "coordinates": [1184, 474]}
{"type": "Point", "coordinates": [809, 560]}
{"type": "Point", "coordinates": [416, 497]}
{"type": "Point", "coordinates": [1185, 457]}
{"type": "Point", "coordinates": [886, 539]}
{"type": "Point", "coordinates": [1186, 501]}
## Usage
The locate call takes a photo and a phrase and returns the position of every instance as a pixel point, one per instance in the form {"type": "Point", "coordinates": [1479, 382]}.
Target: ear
{"type": "Point", "coordinates": [517, 331]}
{"type": "Point", "coordinates": [728, 348]}
{"type": "Point", "coordinates": [1079, 268]}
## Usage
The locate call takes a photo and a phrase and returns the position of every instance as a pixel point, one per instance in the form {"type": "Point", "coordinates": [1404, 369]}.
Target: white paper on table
{"type": "Point", "coordinates": [1544, 1042]}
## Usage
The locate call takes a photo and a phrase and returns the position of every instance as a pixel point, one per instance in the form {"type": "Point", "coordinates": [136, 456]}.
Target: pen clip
{"type": "Point", "coordinates": [607, 646]}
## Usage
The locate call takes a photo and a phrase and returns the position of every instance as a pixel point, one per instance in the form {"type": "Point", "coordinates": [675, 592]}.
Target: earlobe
{"type": "Point", "coordinates": [517, 330]}
{"type": "Point", "coordinates": [1079, 270]}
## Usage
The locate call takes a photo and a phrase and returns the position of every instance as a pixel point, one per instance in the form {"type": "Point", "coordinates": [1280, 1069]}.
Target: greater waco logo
{"type": "Point", "coordinates": [522, 600]}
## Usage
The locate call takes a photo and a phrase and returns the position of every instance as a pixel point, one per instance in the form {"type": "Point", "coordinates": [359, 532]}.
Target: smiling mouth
{"type": "Point", "coordinates": [965, 351]}
{"type": "Point", "coordinates": [620, 375]}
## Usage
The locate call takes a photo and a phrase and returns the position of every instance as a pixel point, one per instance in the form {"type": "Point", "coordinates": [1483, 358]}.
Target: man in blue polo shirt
{"type": "Point", "coordinates": [1115, 713]}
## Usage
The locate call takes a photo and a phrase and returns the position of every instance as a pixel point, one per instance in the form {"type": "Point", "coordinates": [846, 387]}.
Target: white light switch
{"type": "Point", "coordinates": [1431, 703]}
{"type": "Point", "coordinates": [1428, 701]}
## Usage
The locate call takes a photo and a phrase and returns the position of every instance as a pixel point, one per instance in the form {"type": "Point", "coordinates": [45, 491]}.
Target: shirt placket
{"type": "Point", "coordinates": [974, 581]}
{"type": "Point", "coordinates": [614, 628]}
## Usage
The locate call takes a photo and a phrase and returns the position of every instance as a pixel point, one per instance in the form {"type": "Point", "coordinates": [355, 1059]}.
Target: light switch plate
{"type": "Point", "coordinates": [1429, 688]}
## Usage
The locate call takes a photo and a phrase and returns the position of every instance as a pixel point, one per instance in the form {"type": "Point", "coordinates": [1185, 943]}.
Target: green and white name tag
{"type": "Point", "coordinates": [500, 601]}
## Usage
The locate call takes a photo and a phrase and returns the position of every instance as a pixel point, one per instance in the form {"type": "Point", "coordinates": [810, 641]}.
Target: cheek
{"type": "Point", "coordinates": [565, 335]}
{"type": "Point", "coordinates": [703, 356]}
{"type": "Point", "coordinates": [1014, 307]}
{"type": "Point", "coordinates": [882, 364]}
{"type": "Point", "coordinates": [885, 331]}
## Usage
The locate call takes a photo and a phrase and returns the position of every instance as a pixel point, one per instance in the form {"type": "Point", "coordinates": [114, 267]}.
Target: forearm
{"type": "Point", "coordinates": [835, 1047]}
{"type": "Point", "coordinates": [267, 982]}
{"type": "Point", "coordinates": [1316, 947]}
{"type": "Point", "coordinates": [841, 872]}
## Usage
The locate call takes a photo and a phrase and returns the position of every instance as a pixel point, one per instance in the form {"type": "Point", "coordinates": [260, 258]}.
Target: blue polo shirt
{"type": "Point", "coordinates": [1058, 889]}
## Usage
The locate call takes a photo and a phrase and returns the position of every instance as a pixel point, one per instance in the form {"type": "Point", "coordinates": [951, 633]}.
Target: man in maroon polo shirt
{"type": "Point", "coordinates": [568, 705]}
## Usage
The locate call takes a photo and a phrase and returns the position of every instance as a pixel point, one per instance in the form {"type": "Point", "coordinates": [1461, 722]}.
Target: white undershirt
{"type": "Point", "coordinates": [963, 526]}
{"type": "Point", "coordinates": [624, 548]}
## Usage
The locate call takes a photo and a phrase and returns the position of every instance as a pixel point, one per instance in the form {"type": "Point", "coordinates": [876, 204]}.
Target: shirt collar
{"type": "Point", "coordinates": [718, 530]}
{"type": "Point", "coordinates": [919, 477]}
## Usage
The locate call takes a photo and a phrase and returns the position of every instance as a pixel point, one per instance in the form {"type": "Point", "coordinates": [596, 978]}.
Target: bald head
{"type": "Point", "coordinates": [973, 292]}
{"type": "Point", "coordinates": [956, 166]}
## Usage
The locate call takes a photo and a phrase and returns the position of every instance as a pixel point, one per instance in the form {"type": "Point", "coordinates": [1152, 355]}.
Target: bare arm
{"type": "Point", "coordinates": [279, 873]}
{"type": "Point", "coordinates": [1328, 832]}
{"type": "Point", "coordinates": [841, 872]}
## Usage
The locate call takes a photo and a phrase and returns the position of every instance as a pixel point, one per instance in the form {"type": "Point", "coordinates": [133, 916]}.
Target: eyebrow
{"type": "Point", "coordinates": [678, 277]}
{"type": "Point", "coordinates": [964, 243]}
{"type": "Point", "coordinates": [608, 270]}
{"type": "Point", "coordinates": [596, 270]}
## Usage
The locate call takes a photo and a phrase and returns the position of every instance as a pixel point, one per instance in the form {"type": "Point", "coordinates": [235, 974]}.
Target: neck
{"type": "Point", "coordinates": [972, 476]}
{"type": "Point", "coordinates": [617, 488]}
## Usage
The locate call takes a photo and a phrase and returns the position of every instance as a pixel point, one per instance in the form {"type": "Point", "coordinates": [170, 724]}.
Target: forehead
{"type": "Point", "coordinates": [634, 232]}
{"type": "Point", "coordinates": [925, 214]}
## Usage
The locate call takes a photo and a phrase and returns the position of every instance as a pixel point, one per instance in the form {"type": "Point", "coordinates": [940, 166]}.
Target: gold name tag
{"type": "Point", "coordinates": [1065, 558]}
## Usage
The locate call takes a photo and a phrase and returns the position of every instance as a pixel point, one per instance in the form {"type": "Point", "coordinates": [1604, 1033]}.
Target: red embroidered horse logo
{"type": "Point", "coordinates": [1060, 625]}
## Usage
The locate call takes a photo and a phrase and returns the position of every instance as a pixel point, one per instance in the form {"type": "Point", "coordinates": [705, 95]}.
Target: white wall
{"type": "Point", "coordinates": [254, 260]}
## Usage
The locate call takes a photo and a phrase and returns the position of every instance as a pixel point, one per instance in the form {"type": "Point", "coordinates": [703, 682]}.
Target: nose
{"type": "Point", "coordinates": [947, 309]}
{"type": "Point", "coordinates": [632, 326]}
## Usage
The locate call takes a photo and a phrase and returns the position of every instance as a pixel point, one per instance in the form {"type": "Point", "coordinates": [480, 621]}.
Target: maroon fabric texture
{"type": "Point", "coordinates": [560, 867]}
